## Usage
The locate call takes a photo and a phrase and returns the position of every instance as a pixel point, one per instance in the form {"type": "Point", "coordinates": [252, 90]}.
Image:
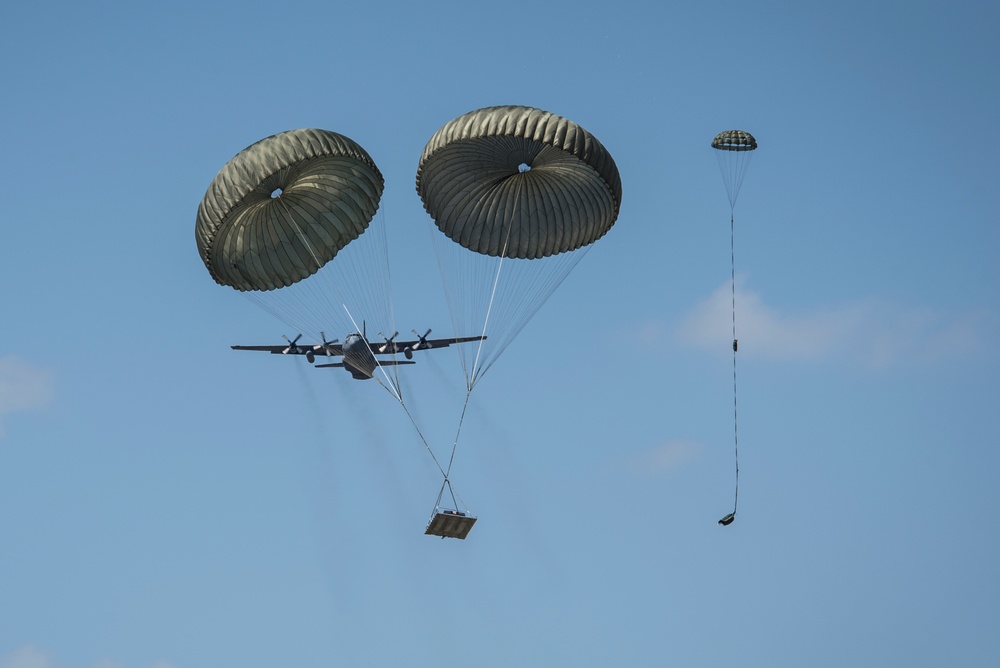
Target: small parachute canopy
{"type": "Point", "coordinates": [734, 140]}
{"type": "Point", "coordinates": [284, 207]}
{"type": "Point", "coordinates": [518, 182]}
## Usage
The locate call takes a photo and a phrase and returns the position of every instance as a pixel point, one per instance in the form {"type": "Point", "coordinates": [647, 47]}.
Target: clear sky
{"type": "Point", "coordinates": [166, 502]}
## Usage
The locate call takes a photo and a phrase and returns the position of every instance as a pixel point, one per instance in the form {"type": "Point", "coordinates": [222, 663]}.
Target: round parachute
{"type": "Point", "coordinates": [519, 196]}
{"type": "Point", "coordinates": [734, 140]}
{"type": "Point", "coordinates": [284, 207]}
{"type": "Point", "coordinates": [523, 194]}
{"type": "Point", "coordinates": [518, 182]}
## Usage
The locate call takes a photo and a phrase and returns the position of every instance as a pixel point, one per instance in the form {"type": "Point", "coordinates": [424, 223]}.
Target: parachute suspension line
{"type": "Point", "coordinates": [521, 289]}
{"type": "Point", "coordinates": [461, 420]}
{"type": "Point", "coordinates": [476, 373]}
{"type": "Point", "coordinates": [517, 289]}
{"type": "Point", "coordinates": [473, 378]}
{"type": "Point", "coordinates": [446, 475]}
{"type": "Point", "coordinates": [451, 490]}
{"type": "Point", "coordinates": [455, 498]}
{"type": "Point", "coordinates": [420, 434]}
{"type": "Point", "coordinates": [733, 167]}
{"type": "Point", "coordinates": [736, 428]}
{"type": "Point", "coordinates": [391, 384]}
{"type": "Point", "coordinates": [392, 310]}
{"type": "Point", "coordinates": [378, 255]}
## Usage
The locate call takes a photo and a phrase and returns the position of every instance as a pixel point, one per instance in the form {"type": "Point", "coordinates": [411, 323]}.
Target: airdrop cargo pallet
{"type": "Point", "coordinates": [450, 524]}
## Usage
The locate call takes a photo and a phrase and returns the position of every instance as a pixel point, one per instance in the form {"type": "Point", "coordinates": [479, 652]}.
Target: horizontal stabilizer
{"type": "Point", "coordinates": [381, 363]}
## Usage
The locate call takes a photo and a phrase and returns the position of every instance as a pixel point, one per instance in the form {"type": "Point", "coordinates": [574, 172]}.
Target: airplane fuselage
{"type": "Point", "coordinates": [358, 357]}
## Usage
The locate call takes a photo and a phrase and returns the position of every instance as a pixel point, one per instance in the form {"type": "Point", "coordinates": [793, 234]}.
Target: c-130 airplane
{"type": "Point", "coordinates": [358, 352]}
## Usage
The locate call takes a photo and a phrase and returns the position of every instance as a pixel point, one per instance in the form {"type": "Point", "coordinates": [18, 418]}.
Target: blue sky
{"type": "Point", "coordinates": [168, 503]}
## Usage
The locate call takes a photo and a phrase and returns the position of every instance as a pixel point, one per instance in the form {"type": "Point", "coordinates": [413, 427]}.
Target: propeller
{"type": "Point", "coordinates": [388, 346]}
{"type": "Point", "coordinates": [325, 346]}
{"type": "Point", "coordinates": [292, 347]}
{"type": "Point", "coordinates": [422, 343]}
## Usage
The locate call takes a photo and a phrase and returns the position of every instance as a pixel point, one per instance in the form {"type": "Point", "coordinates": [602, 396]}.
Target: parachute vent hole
{"type": "Point", "coordinates": [276, 193]}
{"type": "Point", "coordinates": [524, 167]}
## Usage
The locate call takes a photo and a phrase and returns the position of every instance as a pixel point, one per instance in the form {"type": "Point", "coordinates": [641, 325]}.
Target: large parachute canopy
{"type": "Point", "coordinates": [733, 152]}
{"type": "Point", "coordinates": [284, 207]}
{"type": "Point", "coordinates": [284, 223]}
{"type": "Point", "coordinates": [517, 190]}
{"type": "Point", "coordinates": [518, 182]}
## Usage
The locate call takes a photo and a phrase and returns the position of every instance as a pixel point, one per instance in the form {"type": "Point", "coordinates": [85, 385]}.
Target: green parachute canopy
{"type": "Point", "coordinates": [284, 207]}
{"type": "Point", "coordinates": [518, 182]}
{"type": "Point", "coordinates": [734, 140]}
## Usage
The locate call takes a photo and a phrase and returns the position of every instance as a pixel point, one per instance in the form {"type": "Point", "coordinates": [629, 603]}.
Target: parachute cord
{"type": "Point", "coordinates": [422, 437]}
{"type": "Point", "coordinates": [473, 377]}
{"type": "Point", "coordinates": [471, 380]}
{"type": "Point", "coordinates": [437, 502]}
{"type": "Point", "coordinates": [390, 388]}
{"type": "Point", "coordinates": [461, 419]}
{"type": "Point", "coordinates": [392, 312]}
{"type": "Point", "coordinates": [736, 430]}
{"type": "Point", "coordinates": [393, 387]}
{"type": "Point", "coordinates": [455, 498]}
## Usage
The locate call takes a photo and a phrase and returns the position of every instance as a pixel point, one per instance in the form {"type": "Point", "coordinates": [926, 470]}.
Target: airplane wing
{"type": "Point", "coordinates": [274, 350]}
{"type": "Point", "coordinates": [444, 343]}
{"type": "Point", "coordinates": [420, 344]}
{"type": "Point", "coordinates": [318, 351]}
